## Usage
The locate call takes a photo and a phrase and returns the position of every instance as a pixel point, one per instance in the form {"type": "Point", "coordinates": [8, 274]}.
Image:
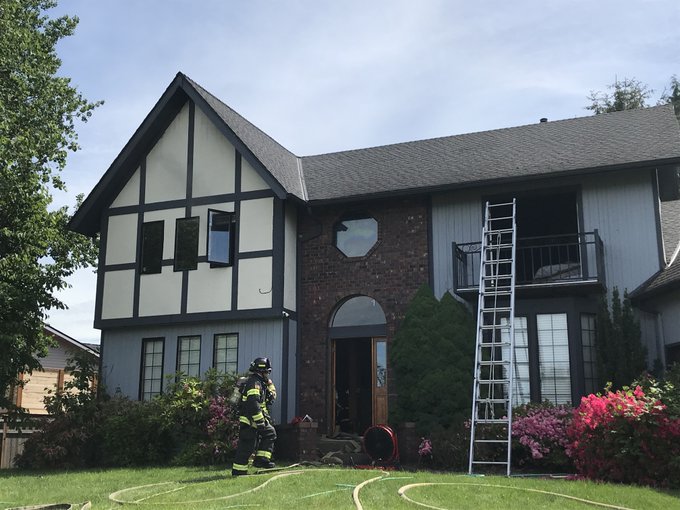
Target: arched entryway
{"type": "Point", "coordinates": [357, 333]}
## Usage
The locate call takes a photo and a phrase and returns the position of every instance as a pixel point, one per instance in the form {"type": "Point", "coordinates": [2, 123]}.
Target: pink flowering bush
{"type": "Point", "coordinates": [539, 435]}
{"type": "Point", "coordinates": [626, 436]}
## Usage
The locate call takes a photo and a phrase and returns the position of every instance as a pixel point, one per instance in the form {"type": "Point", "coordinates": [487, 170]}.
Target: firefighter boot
{"type": "Point", "coordinates": [263, 462]}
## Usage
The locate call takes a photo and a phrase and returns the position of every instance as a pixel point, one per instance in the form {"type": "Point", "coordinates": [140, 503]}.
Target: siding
{"type": "Point", "coordinates": [121, 352]}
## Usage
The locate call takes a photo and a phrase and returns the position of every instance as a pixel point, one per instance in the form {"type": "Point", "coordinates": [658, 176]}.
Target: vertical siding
{"type": "Point", "coordinates": [622, 209]}
{"type": "Point", "coordinates": [455, 217]}
{"type": "Point", "coordinates": [121, 351]}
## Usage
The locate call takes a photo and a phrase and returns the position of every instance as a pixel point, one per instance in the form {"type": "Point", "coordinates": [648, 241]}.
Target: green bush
{"type": "Point", "coordinates": [432, 357]}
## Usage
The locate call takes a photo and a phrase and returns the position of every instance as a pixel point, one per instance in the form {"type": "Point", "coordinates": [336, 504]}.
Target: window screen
{"type": "Point", "coordinates": [553, 357]}
{"type": "Point", "coordinates": [152, 247]}
{"type": "Point", "coordinates": [186, 244]}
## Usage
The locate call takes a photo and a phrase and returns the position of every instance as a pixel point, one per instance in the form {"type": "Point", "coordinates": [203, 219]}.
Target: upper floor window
{"type": "Point", "coordinates": [226, 353]}
{"type": "Point", "coordinates": [186, 244]}
{"type": "Point", "coordinates": [189, 355]}
{"type": "Point", "coordinates": [355, 235]}
{"type": "Point", "coordinates": [221, 231]}
{"type": "Point", "coordinates": [152, 247]}
{"type": "Point", "coordinates": [151, 383]}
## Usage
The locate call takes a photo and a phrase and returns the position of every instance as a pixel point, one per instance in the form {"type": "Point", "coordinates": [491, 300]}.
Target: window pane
{"type": "Point", "coordinates": [221, 226]}
{"type": "Point", "coordinates": [152, 368]}
{"type": "Point", "coordinates": [225, 358]}
{"type": "Point", "coordinates": [588, 333]}
{"type": "Point", "coordinates": [553, 354]}
{"type": "Point", "coordinates": [359, 311]}
{"type": "Point", "coordinates": [152, 247]}
{"type": "Point", "coordinates": [186, 244]}
{"type": "Point", "coordinates": [380, 364]}
{"type": "Point", "coordinates": [355, 237]}
{"type": "Point", "coordinates": [521, 389]}
{"type": "Point", "coordinates": [189, 355]}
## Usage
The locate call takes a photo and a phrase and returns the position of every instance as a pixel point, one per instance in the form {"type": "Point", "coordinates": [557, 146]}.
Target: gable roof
{"type": "Point", "coordinates": [632, 138]}
{"type": "Point", "coordinates": [666, 280]}
{"type": "Point", "coordinates": [72, 342]}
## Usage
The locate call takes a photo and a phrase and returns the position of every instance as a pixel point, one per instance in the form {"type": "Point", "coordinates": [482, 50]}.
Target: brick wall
{"type": "Point", "coordinates": [391, 273]}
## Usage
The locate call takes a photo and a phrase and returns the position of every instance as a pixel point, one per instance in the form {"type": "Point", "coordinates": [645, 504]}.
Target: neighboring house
{"type": "Point", "coordinates": [219, 245]}
{"type": "Point", "coordinates": [53, 374]}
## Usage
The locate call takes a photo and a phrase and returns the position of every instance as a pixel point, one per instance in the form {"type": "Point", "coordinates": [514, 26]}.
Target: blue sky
{"type": "Point", "coordinates": [322, 76]}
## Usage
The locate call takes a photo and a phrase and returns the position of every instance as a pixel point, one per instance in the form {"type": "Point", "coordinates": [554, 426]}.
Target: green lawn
{"type": "Point", "coordinates": [296, 488]}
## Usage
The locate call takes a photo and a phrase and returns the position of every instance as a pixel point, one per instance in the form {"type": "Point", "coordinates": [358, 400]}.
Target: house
{"type": "Point", "coordinates": [37, 386]}
{"type": "Point", "coordinates": [219, 245]}
{"type": "Point", "coordinates": [53, 374]}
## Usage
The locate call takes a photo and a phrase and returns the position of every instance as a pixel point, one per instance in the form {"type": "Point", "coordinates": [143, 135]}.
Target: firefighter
{"type": "Point", "coordinates": [256, 430]}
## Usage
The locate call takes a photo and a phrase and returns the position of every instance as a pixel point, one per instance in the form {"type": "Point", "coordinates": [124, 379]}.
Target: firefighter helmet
{"type": "Point", "coordinates": [261, 365]}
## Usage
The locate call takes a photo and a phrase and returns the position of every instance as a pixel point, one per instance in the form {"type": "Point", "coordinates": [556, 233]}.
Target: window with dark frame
{"type": "Point", "coordinates": [152, 247]}
{"type": "Point", "coordinates": [151, 383]}
{"type": "Point", "coordinates": [225, 356]}
{"type": "Point", "coordinates": [189, 355]}
{"type": "Point", "coordinates": [521, 389]}
{"type": "Point", "coordinates": [186, 244]}
{"type": "Point", "coordinates": [553, 356]}
{"type": "Point", "coordinates": [588, 334]}
{"type": "Point", "coordinates": [221, 232]}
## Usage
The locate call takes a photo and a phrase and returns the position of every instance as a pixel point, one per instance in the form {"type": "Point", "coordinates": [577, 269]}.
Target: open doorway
{"type": "Point", "coordinates": [358, 366]}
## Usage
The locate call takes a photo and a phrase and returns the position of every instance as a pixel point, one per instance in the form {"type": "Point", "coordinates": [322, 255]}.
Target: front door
{"type": "Point", "coordinates": [359, 379]}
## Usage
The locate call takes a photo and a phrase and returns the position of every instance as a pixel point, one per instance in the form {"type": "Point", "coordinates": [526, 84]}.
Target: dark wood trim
{"type": "Point", "coordinates": [278, 259]}
{"type": "Point", "coordinates": [237, 232]}
{"type": "Point", "coordinates": [375, 330]}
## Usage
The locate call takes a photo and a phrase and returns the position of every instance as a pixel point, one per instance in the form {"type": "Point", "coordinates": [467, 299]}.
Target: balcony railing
{"type": "Point", "coordinates": [539, 261]}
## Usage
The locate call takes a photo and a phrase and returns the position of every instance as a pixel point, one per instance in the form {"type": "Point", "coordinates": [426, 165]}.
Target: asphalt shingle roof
{"type": "Point", "coordinates": [595, 142]}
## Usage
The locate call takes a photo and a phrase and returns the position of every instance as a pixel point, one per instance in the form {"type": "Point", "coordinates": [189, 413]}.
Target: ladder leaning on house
{"type": "Point", "coordinates": [491, 423]}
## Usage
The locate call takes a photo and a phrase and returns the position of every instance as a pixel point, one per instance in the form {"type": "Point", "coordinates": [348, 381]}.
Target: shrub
{"type": "Point", "coordinates": [432, 357]}
{"type": "Point", "coordinates": [626, 436]}
{"type": "Point", "coordinates": [539, 435]}
{"type": "Point", "coordinates": [448, 447]}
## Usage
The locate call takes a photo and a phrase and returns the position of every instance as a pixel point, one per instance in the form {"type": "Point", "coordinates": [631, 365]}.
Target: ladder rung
{"type": "Point", "coordinates": [488, 327]}
{"type": "Point", "coordinates": [505, 441]}
{"type": "Point", "coordinates": [499, 230]}
{"type": "Point", "coordinates": [495, 362]}
{"type": "Point", "coordinates": [493, 381]}
{"type": "Point", "coordinates": [490, 421]}
{"type": "Point", "coordinates": [498, 261]}
{"type": "Point", "coordinates": [489, 462]}
{"type": "Point", "coordinates": [497, 309]}
{"type": "Point", "coordinates": [492, 401]}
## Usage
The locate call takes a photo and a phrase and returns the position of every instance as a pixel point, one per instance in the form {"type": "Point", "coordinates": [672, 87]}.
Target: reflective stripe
{"type": "Point", "coordinates": [262, 453]}
{"type": "Point", "coordinates": [258, 417]}
{"type": "Point", "coordinates": [243, 419]}
{"type": "Point", "coordinates": [254, 391]}
{"type": "Point", "coordinates": [240, 467]}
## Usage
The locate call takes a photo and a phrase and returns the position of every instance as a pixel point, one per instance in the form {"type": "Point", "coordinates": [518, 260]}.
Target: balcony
{"type": "Point", "coordinates": [568, 262]}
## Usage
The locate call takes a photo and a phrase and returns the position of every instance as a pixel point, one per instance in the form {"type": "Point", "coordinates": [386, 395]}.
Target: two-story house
{"type": "Point", "coordinates": [219, 245]}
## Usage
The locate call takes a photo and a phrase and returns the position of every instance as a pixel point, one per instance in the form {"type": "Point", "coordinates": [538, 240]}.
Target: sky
{"type": "Point", "coordinates": [321, 76]}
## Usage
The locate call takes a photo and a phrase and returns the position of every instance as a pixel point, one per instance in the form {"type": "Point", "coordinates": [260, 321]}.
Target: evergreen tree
{"type": "Point", "coordinates": [432, 356]}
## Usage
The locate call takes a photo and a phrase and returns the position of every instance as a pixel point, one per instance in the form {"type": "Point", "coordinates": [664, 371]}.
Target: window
{"type": "Point", "coordinates": [553, 357]}
{"type": "Point", "coordinates": [189, 355]}
{"type": "Point", "coordinates": [186, 244]}
{"type": "Point", "coordinates": [152, 368]}
{"type": "Point", "coordinates": [221, 231]}
{"type": "Point", "coordinates": [152, 247]}
{"type": "Point", "coordinates": [588, 333]}
{"type": "Point", "coordinates": [225, 357]}
{"type": "Point", "coordinates": [521, 385]}
{"type": "Point", "coordinates": [356, 235]}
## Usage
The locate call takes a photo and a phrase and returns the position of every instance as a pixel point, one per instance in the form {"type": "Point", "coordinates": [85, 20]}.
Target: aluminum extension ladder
{"type": "Point", "coordinates": [491, 424]}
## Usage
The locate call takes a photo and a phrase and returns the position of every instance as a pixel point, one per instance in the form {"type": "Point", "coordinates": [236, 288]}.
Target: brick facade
{"type": "Point", "coordinates": [390, 273]}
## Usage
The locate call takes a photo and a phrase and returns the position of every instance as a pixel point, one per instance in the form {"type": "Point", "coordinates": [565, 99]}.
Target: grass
{"type": "Point", "coordinates": [211, 488]}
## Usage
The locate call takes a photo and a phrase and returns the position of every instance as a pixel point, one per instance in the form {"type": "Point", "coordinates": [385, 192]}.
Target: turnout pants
{"type": "Point", "coordinates": [247, 442]}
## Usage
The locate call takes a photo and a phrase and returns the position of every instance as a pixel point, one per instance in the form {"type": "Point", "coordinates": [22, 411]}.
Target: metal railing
{"type": "Point", "coordinates": [558, 259]}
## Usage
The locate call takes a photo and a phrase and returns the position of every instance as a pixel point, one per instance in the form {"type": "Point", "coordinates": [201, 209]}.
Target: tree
{"type": "Point", "coordinates": [38, 114]}
{"type": "Point", "coordinates": [432, 357]}
{"type": "Point", "coordinates": [631, 93]}
{"type": "Point", "coordinates": [620, 353]}
{"type": "Point", "coordinates": [626, 94]}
